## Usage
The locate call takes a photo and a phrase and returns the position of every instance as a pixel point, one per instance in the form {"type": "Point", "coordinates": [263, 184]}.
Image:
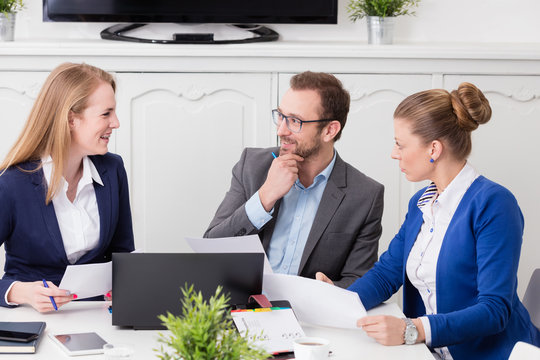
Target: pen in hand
{"type": "Point", "coordinates": [50, 297]}
{"type": "Point", "coordinates": [274, 155]}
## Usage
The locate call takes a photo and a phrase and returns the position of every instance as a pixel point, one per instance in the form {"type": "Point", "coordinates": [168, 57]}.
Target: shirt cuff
{"type": "Point", "coordinates": [427, 329]}
{"type": "Point", "coordinates": [256, 213]}
{"type": "Point", "coordinates": [7, 293]}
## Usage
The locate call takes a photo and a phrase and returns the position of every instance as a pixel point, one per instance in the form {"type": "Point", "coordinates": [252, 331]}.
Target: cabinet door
{"type": "Point", "coordinates": [180, 136]}
{"type": "Point", "coordinates": [368, 137]}
{"type": "Point", "coordinates": [18, 91]}
{"type": "Point", "coordinates": [506, 150]}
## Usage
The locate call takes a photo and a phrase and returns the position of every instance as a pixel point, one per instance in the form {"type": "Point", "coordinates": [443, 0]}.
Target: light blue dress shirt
{"type": "Point", "coordinates": [296, 214]}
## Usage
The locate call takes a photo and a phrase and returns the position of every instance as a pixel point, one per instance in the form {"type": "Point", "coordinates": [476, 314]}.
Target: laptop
{"type": "Point", "coordinates": [146, 285]}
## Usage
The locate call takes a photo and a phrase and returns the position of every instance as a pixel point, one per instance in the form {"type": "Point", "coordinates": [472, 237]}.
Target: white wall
{"type": "Point", "coordinates": [436, 21]}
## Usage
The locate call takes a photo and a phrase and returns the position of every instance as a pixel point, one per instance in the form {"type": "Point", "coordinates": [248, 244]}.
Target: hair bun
{"type": "Point", "coordinates": [470, 106]}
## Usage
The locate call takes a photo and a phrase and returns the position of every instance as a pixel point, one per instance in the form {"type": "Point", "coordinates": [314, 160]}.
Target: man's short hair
{"type": "Point", "coordinates": [335, 100]}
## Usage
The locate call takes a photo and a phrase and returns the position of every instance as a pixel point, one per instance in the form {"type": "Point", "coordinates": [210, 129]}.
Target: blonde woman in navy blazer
{"type": "Point", "coordinates": [60, 167]}
{"type": "Point", "coordinates": [457, 252]}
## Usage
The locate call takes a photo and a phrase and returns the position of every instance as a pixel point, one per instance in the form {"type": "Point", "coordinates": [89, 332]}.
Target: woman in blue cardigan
{"type": "Point", "coordinates": [64, 199]}
{"type": "Point", "coordinates": [457, 252]}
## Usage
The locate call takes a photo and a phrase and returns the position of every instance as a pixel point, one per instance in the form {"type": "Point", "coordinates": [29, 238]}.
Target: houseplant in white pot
{"type": "Point", "coordinates": [8, 9]}
{"type": "Point", "coordinates": [380, 16]}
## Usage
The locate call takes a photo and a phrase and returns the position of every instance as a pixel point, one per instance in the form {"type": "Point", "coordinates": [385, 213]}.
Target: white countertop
{"type": "Point", "coordinates": [323, 49]}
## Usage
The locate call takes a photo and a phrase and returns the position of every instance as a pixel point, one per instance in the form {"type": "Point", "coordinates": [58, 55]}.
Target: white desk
{"type": "Point", "coordinates": [94, 316]}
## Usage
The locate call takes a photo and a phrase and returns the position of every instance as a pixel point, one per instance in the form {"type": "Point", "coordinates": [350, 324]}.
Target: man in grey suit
{"type": "Point", "coordinates": [312, 211]}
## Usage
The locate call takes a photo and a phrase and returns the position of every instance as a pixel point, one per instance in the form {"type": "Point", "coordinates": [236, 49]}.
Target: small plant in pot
{"type": "Point", "coordinates": [380, 16]}
{"type": "Point", "coordinates": [205, 331]}
{"type": "Point", "coordinates": [8, 9]}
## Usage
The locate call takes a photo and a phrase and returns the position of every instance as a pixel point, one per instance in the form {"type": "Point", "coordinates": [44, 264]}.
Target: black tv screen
{"type": "Point", "coordinates": [193, 11]}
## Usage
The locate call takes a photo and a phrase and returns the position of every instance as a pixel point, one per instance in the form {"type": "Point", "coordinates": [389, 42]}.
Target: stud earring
{"type": "Point", "coordinates": [431, 161]}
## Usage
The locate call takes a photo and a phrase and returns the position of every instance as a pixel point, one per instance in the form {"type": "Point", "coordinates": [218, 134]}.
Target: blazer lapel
{"type": "Point", "coordinates": [330, 201]}
{"type": "Point", "coordinates": [49, 215]}
{"type": "Point", "coordinates": [411, 234]}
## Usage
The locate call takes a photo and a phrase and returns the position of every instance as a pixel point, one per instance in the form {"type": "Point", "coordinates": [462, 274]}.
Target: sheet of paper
{"type": "Point", "coordinates": [88, 280]}
{"type": "Point", "coordinates": [237, 244]}
{"type": "Point", "coordinates": [315, 302]}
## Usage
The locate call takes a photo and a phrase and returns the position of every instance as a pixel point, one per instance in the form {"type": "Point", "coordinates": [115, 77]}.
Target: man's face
{"type": "Point", "coordinates": [303, 105]}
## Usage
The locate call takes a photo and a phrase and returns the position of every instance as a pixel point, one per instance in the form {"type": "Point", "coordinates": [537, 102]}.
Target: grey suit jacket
{"type": "Point", "coordinates": [344, 237]}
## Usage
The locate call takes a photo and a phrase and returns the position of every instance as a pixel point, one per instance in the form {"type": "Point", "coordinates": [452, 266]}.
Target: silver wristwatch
{"type": "Point", "coordinates": [411, 333]}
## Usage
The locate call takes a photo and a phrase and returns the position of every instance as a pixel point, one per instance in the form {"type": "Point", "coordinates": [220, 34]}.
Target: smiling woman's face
{"type": "Point", "coordinates": [90, 130]}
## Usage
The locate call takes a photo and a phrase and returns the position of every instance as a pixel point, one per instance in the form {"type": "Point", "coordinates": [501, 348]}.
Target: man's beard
{"type": "Point", "coordinates": [305, 151]}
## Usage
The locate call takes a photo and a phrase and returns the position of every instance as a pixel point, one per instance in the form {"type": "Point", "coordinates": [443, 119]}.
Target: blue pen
{"type": "Point", "coordinates": [274, 155]}
{"type": "Point", "coordinates": [50, 297]}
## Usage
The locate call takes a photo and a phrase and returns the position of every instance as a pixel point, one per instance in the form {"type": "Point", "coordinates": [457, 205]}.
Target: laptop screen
{"type": "Point", "coordinates": [146, 285]}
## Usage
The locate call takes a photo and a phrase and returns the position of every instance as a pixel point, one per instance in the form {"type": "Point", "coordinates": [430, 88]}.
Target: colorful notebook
{"type": "Point", "coordinates": [13, 347]}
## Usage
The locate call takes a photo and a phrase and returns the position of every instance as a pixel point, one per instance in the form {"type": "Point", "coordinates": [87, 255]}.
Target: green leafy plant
{"type": "Point", "coordinates": [205, 331]}
{"type": "Point", "coordinates": [11, 6]}
{"type": "Point", "coordinates": [359, 9]}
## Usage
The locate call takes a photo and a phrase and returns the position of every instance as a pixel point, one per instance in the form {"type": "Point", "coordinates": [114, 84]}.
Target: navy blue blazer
{"type": "Point", "coordinates": [29, 229]}
{"type": "Point", "coordinates": [479, 315]}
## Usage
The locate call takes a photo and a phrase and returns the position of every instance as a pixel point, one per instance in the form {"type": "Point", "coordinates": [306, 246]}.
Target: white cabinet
{"type": "Point", "coordinates": [180, 136]}
{"type": "Point", "coordinates": [506, 150]}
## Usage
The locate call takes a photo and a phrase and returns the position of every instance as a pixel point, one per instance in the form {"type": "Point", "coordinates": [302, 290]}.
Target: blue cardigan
{"type": "Point", "coordinates": [479, 313]}
{"type": "Point", "coordinates": [29, 229]}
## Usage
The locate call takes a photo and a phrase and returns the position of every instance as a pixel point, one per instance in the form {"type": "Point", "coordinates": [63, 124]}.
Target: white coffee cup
{"type": "Point", "coordinates": [311, 348]}
{"type": "Point", "coordinates": [118, 351]}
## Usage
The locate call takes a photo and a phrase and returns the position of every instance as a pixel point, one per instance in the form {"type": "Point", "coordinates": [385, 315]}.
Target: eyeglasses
{"type": "Point", "coordinates": [293, 124]}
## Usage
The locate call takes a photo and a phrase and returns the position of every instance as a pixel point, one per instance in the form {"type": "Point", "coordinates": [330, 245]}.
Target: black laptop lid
{"type": "Point", "coordinates": [147, 285]}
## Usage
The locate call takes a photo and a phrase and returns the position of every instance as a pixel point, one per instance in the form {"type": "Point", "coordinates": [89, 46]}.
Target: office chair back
{"type": "Point", "coordinates": [524, 351]}
{"type": "Point", "coordinates": [531, 300]}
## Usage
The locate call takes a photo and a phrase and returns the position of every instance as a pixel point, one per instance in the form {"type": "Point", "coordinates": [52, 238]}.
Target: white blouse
{"type": "Point", "coordinates": [422, 261]}
{"type": "Point", "coordinates": [78, 221]}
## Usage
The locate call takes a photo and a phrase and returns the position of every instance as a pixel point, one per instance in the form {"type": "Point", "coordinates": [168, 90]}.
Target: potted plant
{"type": "Point", "coordinates": [380, 16]}
{"type": "Point", "coordinates": [205, 331]}
{"type": "Point", "coordinates": [8, 9]}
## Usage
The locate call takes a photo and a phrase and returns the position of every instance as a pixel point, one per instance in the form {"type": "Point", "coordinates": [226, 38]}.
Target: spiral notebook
{"type": "Point", "coordinates": [273, 328]}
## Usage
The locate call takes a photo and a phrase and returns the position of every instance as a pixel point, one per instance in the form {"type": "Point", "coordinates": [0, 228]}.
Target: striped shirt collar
{"type": "Point", "coordinates": [428, 196]}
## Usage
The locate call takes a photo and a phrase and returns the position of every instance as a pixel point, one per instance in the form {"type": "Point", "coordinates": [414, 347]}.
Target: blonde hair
{"type": "Point", "coordinates": [447, 116]}
{"type": "Point", "coordinates": [46, 131]}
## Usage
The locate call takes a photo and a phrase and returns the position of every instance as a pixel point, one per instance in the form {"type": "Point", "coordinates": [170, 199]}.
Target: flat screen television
{"type": "Point", "coordinates": [243, 13]}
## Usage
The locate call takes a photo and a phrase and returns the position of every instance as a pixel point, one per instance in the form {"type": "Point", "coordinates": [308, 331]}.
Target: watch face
{"type": "Point", "coordinates": [411, 334]}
